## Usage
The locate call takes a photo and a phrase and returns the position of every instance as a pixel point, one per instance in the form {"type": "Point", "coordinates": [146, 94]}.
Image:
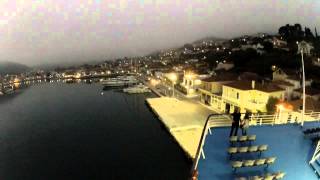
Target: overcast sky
{"type": "Point", "coordinates": [54, 31]}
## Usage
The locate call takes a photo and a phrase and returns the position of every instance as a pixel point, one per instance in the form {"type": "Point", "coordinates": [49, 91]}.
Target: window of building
{"type": "Point", "coordinates": [237, 95]}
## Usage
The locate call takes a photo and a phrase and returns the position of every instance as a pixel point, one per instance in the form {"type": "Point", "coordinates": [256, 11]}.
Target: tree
{"type": "Point", "coordinates": [271, 105]}
{"type": "Point", "coordinates": [268, 46]}
{"type": "Point", "coordinates": [308, 34]}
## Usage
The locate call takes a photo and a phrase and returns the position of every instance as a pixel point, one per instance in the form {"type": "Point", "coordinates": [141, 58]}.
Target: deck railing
{"type": "Point", "coordinates": [316, 154]}
{"type": "Point", "coordinates": [225, 120]}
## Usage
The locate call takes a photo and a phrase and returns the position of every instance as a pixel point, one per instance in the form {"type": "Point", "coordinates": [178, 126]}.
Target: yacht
{"type": "Point", "coordinates": [8, 90]}
{"type": "Point", "coordinates": [119, 81]}
{"type": "Point", "coordinates": [137, 89]}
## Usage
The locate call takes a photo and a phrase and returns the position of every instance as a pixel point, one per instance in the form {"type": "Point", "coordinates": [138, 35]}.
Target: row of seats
{"type": "Point", "coordinates": [234, 139]}
{"type": "Point", "coordinates": [254, 162]}
{"type": "Point", "coordinates": [247, 149]}
{"type": "Point", "coordinates": [273, 176]}
{"type": "Point", "coordinates": [311, 130]}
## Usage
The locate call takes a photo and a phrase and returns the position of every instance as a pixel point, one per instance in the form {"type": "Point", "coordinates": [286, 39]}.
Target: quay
{"type": "Point", "coordinates": [183, 119]}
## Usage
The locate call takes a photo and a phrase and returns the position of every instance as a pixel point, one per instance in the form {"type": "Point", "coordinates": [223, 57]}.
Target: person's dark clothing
{"type": "Point", "coordinates": [235, 123]}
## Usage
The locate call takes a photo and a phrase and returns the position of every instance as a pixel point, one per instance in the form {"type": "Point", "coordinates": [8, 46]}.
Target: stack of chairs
{"type": "Point", "coordinates": [247, 149]}
{"type": "Point", "coordinates": [242, 139]}
{"type": "Point", "coordinates": [269, 176]}
{"type": "Point", "coordinates": [313, 133]}
{"type": "Point", "coordinates": [252, 162]}
{"type": "Point", "coordinates": [311, 130]}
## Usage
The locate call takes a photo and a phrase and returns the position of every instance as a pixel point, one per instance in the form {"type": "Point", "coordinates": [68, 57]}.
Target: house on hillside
{"type": "Point", "coordinates": [224, 65]}
{"type": "Point", "coordinates": [307, 49]}
{"type": "Point", "coordinates": [191, 82]}
{"type": "Point", "coordinates": [249, 95]}
{"type": "Point", "coordinates": [289, 75]}
{"type": "Point", "coordinates": [211, 89]}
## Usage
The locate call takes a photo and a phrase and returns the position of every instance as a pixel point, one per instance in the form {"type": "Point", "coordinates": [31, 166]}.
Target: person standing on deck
{"type": "Point", "coordinates": [245, 124]}
{"type": "Point", "coordinates": [236, 122]}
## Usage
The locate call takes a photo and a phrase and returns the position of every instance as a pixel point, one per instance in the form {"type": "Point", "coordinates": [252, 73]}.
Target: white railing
{"type": "Point", "coordinates": [316, 154]}
{"type": "Point", "coordinates": [312, 116]}
{"type": "Point", "coordinates": [265, 119]}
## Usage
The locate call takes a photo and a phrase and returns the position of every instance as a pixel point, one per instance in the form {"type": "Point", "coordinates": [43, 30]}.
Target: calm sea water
{"type": "Point", "coordinates": [56, 131]}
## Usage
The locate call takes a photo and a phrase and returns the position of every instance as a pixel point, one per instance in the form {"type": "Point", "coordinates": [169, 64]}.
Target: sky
{"type": "Point", "coordinates": [34, 32]}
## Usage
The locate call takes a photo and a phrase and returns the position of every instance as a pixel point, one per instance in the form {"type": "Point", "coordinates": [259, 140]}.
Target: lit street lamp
{"type": "Point", "coordinates": [173, 78]}
{"type": "Point", "coordinates": [303, 46]}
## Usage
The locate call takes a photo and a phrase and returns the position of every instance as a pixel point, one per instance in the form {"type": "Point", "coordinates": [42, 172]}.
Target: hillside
{"type": "Point", "coordinates": [12, 68]}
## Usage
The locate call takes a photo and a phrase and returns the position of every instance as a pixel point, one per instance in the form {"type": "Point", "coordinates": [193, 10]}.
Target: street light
{"type": "Point", "coordinates": [173, 78]}
{"type": "Point", "coordinates": [303, 46]}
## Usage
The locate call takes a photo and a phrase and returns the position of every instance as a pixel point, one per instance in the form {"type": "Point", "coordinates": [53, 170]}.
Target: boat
{"type": "Point", "coordinates": [119, 81]}
{"type": "Point", "coordinates": [137, 89]}
{"type": "Point", "coordinates": [8, 90]}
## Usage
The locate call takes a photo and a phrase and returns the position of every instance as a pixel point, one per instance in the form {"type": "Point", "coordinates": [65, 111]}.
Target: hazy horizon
{"type": "Point", "coordinates": [54, 32]}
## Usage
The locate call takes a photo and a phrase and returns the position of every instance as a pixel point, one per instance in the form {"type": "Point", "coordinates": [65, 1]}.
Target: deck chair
{"type": "Point", "coordinates": [270, 160]}
{"type": "Point", "coordinates": [243, 138]}
{"type": "Point", "coordinates": [279, 175]}
{"type": "Point", "coordinates": [248, 163]}
{"type": "Point", "coordinates": [241, 178]}
{"type": "Point", "coordinates": [257, 178]}
{"type": "Point", "coordinates": [268, 177]}
{"type": "Point", "coordinates": [236, 164]}
{"type": "Point", "coordinates": [243, 149]}
{"type": "Point", "coordinates": [232, 150]}
{"type": "Point", "coordinates": [233, 139]}
{"type": "Point", "coordinates": [253, 149]}
{"type": "Point", "coordinates": [260, 162]}
{"type": "Point", "coordinates": [262, 148]}
{"type": "Point", "coordinates": [252, 137]}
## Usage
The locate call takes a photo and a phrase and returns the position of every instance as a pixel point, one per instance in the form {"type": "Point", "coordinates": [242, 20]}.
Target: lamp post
{"type": "Point", "coordinates": [303, 46]}
{"type": "Point", "coordinates": [173, 78]}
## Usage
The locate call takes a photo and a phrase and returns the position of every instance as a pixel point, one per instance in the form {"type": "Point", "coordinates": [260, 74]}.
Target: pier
{"type": "Point", "coordinates": [183, 119]}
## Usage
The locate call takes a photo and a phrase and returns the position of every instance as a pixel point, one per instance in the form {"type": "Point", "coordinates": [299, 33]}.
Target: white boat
{"type": "Point", "coordinates": [8, 90]}
{"type": "Point", "coordinates": [137, 89]}
{"type": "Point", "coordinates": [112, 83]}
{"type": "Point", "coordinates": [119, 81]}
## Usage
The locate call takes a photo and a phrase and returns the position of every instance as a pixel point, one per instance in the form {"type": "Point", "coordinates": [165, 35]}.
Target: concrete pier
{"type": "Point", "coordinates": [183, 119]}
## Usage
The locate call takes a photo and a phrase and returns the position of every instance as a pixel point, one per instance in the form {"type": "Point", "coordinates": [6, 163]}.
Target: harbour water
{"type": "Point", "coordinates": [73, 131]}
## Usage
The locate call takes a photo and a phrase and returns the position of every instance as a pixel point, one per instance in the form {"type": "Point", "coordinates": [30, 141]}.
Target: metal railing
{"type": "Point", "coordinates": [224, 120]}
{"type": "Point", "coordinates": [316, 154]}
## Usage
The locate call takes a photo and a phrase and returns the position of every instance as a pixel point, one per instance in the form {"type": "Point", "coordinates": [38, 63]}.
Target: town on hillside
{"type": "Point", "coordinates": [254, 72]}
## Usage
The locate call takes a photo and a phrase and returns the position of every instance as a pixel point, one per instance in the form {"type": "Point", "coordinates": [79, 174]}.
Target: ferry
{"type": "Point", "coordinates": [137, 89]}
